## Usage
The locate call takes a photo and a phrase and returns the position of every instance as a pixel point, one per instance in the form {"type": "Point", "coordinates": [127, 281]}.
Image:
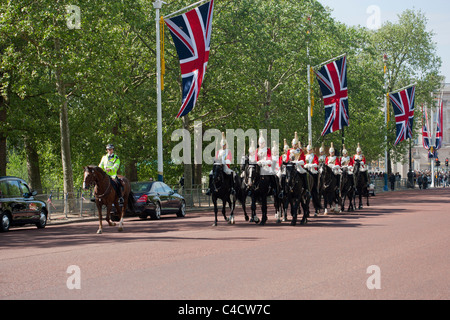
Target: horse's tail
{"type": "Point", "coordinates": [131, 201]}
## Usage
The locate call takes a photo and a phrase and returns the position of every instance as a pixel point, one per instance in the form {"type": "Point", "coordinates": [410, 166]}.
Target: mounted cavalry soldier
{"type": "Point", "coordinates": [312, 161]}
{"type": "Point", "coordinates": [360, 157]}
{"type": "Point", "coordinates": [296, 154]}
{"type": "Point", "coordinates": [110, 163]}
{"type": "Point", "coordinates": [333, 161]}
{"type": "Point", "coordinates": [347, 161]}
{"type": "Point", "coordinates": [264, 156]}
{"type": "Point", "coordinates": [322, 155]}
{"type": "Point", "coordinates": [224, 157]}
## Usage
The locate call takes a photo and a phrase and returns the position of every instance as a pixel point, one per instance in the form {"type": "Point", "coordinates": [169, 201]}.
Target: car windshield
{"type": "Point", "coordinates": [141, 187]}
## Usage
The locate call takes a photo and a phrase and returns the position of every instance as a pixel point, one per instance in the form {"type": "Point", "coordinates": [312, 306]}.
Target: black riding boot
{"type": "Point", "coordinates": [119, 190]}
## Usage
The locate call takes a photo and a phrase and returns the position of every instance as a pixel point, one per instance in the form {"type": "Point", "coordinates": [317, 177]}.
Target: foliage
{"type": "Point", "coordinates": [256, 77]}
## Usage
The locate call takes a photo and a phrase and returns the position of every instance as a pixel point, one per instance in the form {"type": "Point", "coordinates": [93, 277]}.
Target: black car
{"type": "Point", "coordinates": [155, 198]}
{"type": "Point", "coordinates": [18, 205]}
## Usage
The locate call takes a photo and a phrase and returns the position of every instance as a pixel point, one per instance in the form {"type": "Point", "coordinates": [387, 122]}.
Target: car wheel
{"type": "Point", "coordinates": [156, 215]}
{"type": "Point", "coordinates": [4, 222]}
{"type": "Point", "coordinates": [42, 220]}
{"type": "Point", "coordinates": [182, 212]}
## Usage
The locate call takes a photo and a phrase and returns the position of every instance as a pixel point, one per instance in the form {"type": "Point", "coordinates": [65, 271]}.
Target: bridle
{"type": "Point", "coordinates": [91, 178]}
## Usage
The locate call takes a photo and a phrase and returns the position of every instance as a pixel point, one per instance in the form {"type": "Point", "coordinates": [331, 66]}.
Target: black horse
{"type": "Point", "coordinates": [347, 189]}
{"type": "Point", "coordinates": [260, 186]}
{"type": "Point", "coordinates": [222, 189]}
{"type": "Point", "coordinates": [298, 189]}
{"type": "Point", "coordinates": [281, 200]}
{"type": "Point", "coordinates": [361, 182]}
{"type": "Point", "coordinates": [328, 186]}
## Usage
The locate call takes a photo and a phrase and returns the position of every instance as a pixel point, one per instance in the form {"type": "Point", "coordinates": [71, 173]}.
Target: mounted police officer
{"type": "Point", "coordinates": [110, 163]}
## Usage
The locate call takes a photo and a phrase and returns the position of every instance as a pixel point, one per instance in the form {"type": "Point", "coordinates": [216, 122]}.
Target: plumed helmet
{"type": "Point", "coordinates": [223, 142]}
{"type": "Point", "coordinates": [322, 148]}
{"type": "Point", "coordinates": [332, 148]}
{"type": "Point", "coordinates": [344, 151]}
{"type": "Point", "coordinates": [359, 148]}
{"type": "Point", "coordinates": [309, 147]}
{"type": "Point", "coordinates": [252, 148]}
{"type": "Point", "coordinates": [275, 149]}
{"type": "Point", "coordinates": [286, 146]}
{"type": "Point", "coordinates": [261, 139]}
{"type": "Point", "coordinates": [295, 140]}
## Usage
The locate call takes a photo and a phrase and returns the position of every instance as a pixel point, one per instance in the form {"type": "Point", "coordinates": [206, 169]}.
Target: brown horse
{"type": "Point", "coordinates": [105, 194]}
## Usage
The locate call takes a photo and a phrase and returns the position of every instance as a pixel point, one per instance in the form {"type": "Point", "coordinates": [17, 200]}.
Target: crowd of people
{"type": "Point", "coordinates": [422, 178]}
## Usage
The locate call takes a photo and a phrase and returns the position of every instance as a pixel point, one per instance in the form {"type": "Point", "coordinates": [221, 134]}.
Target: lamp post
{"type": "Point", "coordinates": [385, 59]}
{"type": "Point", "coordinates": [157, 6]}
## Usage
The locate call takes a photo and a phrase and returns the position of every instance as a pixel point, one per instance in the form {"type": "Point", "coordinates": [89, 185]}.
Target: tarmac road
{"type": "Point", "coordinates": [404, 234]}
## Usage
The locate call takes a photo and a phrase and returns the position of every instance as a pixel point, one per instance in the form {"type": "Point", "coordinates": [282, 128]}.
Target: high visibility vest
{"type": "Point", "coordinates": [112, 163]}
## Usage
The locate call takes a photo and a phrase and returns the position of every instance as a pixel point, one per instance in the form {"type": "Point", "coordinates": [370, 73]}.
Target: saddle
{"type": "Point", "coordinates": [117, 185]}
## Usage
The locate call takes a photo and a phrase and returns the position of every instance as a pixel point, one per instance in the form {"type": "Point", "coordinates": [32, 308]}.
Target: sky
{"type": "Point", "coordinates": [372, 13]}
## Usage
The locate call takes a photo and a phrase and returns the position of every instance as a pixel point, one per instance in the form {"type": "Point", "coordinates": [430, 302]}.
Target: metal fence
{"type": "Point", "coordinates": [80, 204]}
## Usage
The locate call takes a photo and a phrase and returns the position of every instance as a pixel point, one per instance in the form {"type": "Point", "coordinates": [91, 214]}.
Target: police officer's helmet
{"type": "Point", "coordinates": [110, 146]}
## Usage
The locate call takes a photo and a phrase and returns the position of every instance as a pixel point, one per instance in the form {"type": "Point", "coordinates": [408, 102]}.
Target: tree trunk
{"type": "Point", "coordinates": [34, 174]}
{"type": "Point", "coordinates": [65, 138]}
{"type": "Point", "coordinates": [131, 171]}
{"type": "Point", "coordinates": [3, 135]}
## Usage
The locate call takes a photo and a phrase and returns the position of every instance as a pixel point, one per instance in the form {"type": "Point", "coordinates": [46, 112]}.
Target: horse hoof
{"type": "Point", "coordinates": [293, 223]}
{"type": "Point", "coordinates": [214, 224]}
{"type": "Point", "coordinates": [120, 229]}
{"type": "Point", "coordinates": [247, 218]}
{"type": "Point", "coordinates": [99, 231]}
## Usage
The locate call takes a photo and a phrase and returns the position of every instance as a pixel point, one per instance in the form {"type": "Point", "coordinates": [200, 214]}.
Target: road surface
{"type": "Point", "coordinates": [398, 248]}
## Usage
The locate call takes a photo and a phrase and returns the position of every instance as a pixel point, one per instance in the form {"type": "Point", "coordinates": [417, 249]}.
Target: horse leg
{"type": "Point", "coordinates": [108, 214]}
{"type": "Point", "coordinates": [264, 212]}
{"type": "Point", "coordinates": [294, 209]}
{"type": "Point", "coordinates": [100, 218]}
{"type": "Point", "coordinates": [305, 207]}
{"type": "Point", "coordinates": [214, 199]}
{"type": "Point", "coordinates": [224, 208]}
{"type": "Point", "coordinates": [124, 208]}
{"type": "Point", "coordinates": [253, 209]}
{"type": "Point", "coordinates": [232, 206]}
{"type": "Point", "coordinates": [245, 211]}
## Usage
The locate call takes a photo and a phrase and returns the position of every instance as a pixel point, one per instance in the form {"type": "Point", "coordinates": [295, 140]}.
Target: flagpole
{"type": "Point", "coordinates": [407, 87]}
{"type": "Point", "coordinates": [309, 98]}
{"type": "Point", "coordinates": [433, 144]}
{"type": "Point", "coordinates": [386, 188]}
{"type": "Point", "coordinates": [328, 61]}
{"type": "Point", "coordinates": [189, 6]}
{"type": "Point", "coordinates": [157, 6]}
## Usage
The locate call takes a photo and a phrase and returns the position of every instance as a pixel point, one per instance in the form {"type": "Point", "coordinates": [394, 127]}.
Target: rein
{"type": "Point", "coordinates": [107, 191]}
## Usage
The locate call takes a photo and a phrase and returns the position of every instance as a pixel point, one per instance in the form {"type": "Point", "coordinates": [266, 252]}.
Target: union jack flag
{"type": "Point", "coordinates": [403, 104]}
{"type": "Point", "coordinates": [191, 34]}
{"type": "Point", "coordinates": [439, 126]}
{"type": "Point", "coordinates": [425, 133]}
{"type": "Point", "coordinates": [332, 79]}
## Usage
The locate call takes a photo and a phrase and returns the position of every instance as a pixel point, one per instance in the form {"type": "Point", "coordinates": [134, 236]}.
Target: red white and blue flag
{"type": "Point", "coordinates": [191, 34]}
{"type": "Point", "coordinates": [403, 104]}
{"type": "Point", "coordinates": [425, 130]}
{"type": "Point", "coordinates": [332, 79]}
{"type": "Point", "coordinates": [439, 126]}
